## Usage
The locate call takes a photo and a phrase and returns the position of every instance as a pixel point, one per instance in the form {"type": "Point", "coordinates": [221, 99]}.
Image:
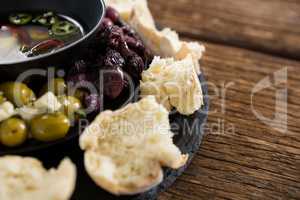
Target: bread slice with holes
{"type": "Point", "coordinates": [125, 150]}
{"type": "Point", "coordinates": [26, 179]}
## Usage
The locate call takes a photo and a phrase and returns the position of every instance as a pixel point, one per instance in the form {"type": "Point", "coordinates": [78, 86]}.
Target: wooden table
{"type": "Point", "coordinates": [242, 155]}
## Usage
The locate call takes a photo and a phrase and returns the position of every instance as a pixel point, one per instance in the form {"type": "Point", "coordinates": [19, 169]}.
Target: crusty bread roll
{"type": "Point", "coordinates": [126, 149]}
{"type": "Point", "coordinates": [26, 179]}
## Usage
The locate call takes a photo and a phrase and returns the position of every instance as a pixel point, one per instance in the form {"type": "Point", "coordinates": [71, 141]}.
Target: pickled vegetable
{"type": "Point", "coordinates": [50, 127]}
{"type": "Point", "coordinates": [70, 105]}
{"type": "Point", "coordinates": [13, 132]}
{"type": "Point", "coordinates": [57, 86]}
{"type": "Point", "coordinates": [20, 18]}
{"type": "Point", "coordinates": [18, 93]}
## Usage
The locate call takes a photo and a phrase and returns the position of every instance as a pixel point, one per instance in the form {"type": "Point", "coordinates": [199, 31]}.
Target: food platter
{"type": "Point", "coordinates": [159, 105]}
{"type": "Point", "coordinates": [51, 153]}
{"type": "Point", "coordinates": [188, 143]}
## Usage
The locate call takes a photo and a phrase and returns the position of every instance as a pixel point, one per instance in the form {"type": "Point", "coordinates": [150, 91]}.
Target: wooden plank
{"type": "Point", "coordinates": [254, 161]}
{"type": "Point", "coordinates": [271, 26]}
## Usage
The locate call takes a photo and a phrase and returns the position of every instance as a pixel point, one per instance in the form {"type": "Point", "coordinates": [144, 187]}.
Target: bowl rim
{"type": "Point", "coordinates": [85, 37]}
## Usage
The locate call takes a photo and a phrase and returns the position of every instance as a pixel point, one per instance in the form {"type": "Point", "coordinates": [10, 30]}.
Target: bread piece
{"type": "Point", "coordinates": [174, 84]}
{"type": "Point", "coordinates": [164, 43]}
{"type": "Point", "coordinates": [194, 49]}
{"type": "Point", "coordinates": [126, 149]}
{"type": "Point", "coordinates": [124, 7]}
{"type": "Point", "coordinates": [26, 179]}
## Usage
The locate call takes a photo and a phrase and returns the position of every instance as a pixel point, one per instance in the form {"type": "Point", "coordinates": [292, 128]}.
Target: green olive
{"type": "Point", "coordinates": [2, 99]}
{"type": "Point", "coordinates": [49, 127]}
{"type": "Point", "coordinates": [18, 93]}
{"type": "Point", "coordinates": [80, 94]}
{"type": "Point", "coordinates": [13, 132]}
{"type": "Point", "coordinates": [57, 86]}
{"type": "Point", "coordinates": [70, 105]}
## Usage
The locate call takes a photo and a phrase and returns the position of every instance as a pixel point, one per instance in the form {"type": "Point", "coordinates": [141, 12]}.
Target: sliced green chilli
{"type": "Point", "coordinates": [46, 19]}
{"type": "Point", "coordinates": [20, 18]}
{"type": "Point", "coordinates": [64, 28]}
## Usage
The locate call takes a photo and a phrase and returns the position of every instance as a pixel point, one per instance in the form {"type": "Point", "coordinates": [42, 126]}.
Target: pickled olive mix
{"type": "Point", "coordinates": [13, 132]}
{"type": "Point", "coordinates": [18, 93]}
{"type": "Point", "coordinates": [24, 35]}
{"type": "Point", "coordinates": [44, 115]}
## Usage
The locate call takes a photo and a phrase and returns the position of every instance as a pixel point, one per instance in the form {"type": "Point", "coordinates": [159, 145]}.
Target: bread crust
{"type": "Point", "coordinates": [119, 189]}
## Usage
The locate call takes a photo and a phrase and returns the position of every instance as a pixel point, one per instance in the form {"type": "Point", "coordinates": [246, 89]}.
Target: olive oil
{"type": "Point", "coordinates": [24, 35]}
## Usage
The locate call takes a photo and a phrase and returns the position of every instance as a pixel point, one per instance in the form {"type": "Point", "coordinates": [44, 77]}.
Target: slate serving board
{"type": "Point", "coordinates": [188, 136]}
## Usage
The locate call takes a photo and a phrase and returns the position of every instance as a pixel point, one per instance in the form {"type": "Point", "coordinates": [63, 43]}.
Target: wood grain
{"type": "Point", "coordinates": [271, 26]}
{"type": "Point", "coordinates": [242, 157]}
{"type": "Point", "coordinates": [253, 161]}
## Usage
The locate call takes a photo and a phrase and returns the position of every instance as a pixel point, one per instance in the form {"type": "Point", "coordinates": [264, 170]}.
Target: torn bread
{"type": "Point", "coordinates": [126, 149]}
{"type": "Point", "coordinates": [174, 84]}
{"type": "Point", "coordinates": [195, 50]}
{"type": "Point", "coordinates": [26, 179]}
{"type": "Point", "coordinates": [166, 42]}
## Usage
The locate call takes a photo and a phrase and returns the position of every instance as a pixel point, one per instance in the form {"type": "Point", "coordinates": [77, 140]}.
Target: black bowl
{"type": "Point", "coordinates": [88, 13]}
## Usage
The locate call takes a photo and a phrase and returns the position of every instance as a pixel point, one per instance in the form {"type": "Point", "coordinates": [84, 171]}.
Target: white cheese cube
{"type": "Point", "coordinates": [7, 110]}
{"type": "Point", "coordinates": [28, 112]}
{"type": "Point", "coordinates": [48, 102]}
